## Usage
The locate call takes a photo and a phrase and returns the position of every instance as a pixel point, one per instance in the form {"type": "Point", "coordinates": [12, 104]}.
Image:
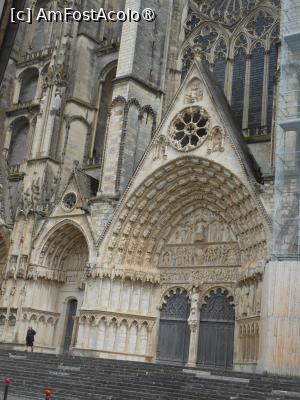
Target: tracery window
{"type": "Point", "coordinates": [256, 90]}
{"type": "Point", "coordinates": [237, 39]}
{"type": "Point", "coordinates": [219, 61]}
{"type": "Point", "coordinates": [238, 78]}
{"type": "Point", "coordinates": [189, 129]}
{"type": "Point", "coordinates": [69, 201]}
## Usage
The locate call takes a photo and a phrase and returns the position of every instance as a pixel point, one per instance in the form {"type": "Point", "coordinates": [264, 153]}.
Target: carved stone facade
{"type": "Point", "coordinates": [129, 192]}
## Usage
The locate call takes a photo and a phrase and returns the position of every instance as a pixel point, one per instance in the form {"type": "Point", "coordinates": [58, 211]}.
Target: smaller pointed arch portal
{"type": "Point", "coordinates": [174, 332]}
{"type": "Point", "coordinates": [216, 333]}
{"type": "Point", "coordinates": [71, 312]}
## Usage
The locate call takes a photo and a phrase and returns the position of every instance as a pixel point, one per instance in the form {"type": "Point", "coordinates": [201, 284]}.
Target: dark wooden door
{"type": "Point", "coordinates": [216, 334]}
{"type": "Point", "coordinates": [71, 312]}
{"type": "Point", "coordinates": [174, 332]}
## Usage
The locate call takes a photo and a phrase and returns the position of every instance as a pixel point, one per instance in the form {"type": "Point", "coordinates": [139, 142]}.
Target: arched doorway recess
{"type": "Point", "coordinates": [71, 312]}
{"type": "Point", "coordinates": [216, 332]}
{"type": "Point", "coordinates": [60, 267]}
{"type": "Point", "coordinates": [174, 332]}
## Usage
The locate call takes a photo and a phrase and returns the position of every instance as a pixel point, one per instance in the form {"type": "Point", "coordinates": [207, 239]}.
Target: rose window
{"type": "Point", "coordinates": [69, 201]}
{"type": "Point", "coordinates": [189, 129]}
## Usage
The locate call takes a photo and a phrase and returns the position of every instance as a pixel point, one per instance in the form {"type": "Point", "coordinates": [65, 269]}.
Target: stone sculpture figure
{"type": "Point", "coordinates": [195, 92]}
{"type": "Point", "coordinates": [193, 317]}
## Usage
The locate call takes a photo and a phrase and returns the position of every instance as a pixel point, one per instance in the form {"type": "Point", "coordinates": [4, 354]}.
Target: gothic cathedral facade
{"type": "Point", "coordinates": [137, 175]}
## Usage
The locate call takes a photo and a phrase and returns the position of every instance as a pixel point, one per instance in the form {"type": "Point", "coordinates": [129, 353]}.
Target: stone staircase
{"type": "Point", "coordinates": [81, 378]}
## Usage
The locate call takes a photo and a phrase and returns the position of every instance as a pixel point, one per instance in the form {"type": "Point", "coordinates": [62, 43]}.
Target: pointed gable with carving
{"type": "Point", "coordinates": [199, 122]}
{"type": "Point", "coordinates": [74, 199]}
{"type": "Point", "coordinates": [196, 158]}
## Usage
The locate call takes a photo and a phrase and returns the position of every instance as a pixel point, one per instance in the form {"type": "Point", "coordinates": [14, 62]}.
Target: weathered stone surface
{"type": "Point", "coordinates": [125, 181]}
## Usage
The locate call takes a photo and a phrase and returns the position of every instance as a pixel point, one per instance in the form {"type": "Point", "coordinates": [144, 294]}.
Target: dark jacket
{"type": "Point", "coordinates": [30, 337]}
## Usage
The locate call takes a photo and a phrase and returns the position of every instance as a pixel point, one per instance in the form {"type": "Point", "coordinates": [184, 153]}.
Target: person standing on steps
{"type": "Point", "coordinates": [30, 337]}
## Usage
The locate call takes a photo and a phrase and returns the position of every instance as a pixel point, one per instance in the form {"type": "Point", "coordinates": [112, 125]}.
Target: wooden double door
{"type": "Point", "coordinates": [174, 332]}
{"type": "Point", "coordinates": [216, 331]}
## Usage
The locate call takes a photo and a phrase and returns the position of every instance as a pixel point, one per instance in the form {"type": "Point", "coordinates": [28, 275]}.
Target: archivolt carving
{"type": "Point", "coordinates": [174, 191]}
{"type": "Point", "coordinates": [63, 257]}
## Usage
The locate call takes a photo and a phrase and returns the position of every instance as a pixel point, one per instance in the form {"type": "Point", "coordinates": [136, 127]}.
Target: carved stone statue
{"type": "Point", "coordinates": [161, 144]}
{"type": "Point", "coordinates": [195, 92]}
{"type": "Point", "coordinates": [36, 192]}
{"type": "Point", "coordinates": [200, 230]}
{"type": "Point", "coordinates": [216, 140]}
{"type": "Point", "coordinates": [56, 103]}
{"type": "Point", "coordinates": [258, 294]}
{"type": "Point", "coordinates": [193, 317]}
{"type": "Point", "coordinates": [26, 202]}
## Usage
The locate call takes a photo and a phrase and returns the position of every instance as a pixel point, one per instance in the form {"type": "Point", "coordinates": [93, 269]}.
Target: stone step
{"type": "Point", "coordinates": [82, 378]}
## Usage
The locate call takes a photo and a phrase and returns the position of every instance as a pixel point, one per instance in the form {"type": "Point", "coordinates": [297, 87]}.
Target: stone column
{"type": "Point", "coordinates": [7, 141]}
{"type": "Point", "coordinates": [48, 333]}
{"type": "Point", "coordinates": [74, 332]}
{"type": "Point", "coordinates": [99, 292]}
{"type": "Point", "coordinates": [120, 294]}
{"type": "Point", "coordinates": [264, 110]}
{"type": "Point", "coordinates": [6, 327]}
{"type": "Point", "coordinates": [193, 322]}
{"type": "Point", "coordinates": [17, 90]}
{"type": "Point", "coordinates": [80, 336]}
{"type": "Point", "coordinates": [87, 334]}
{"type": "Point", "coordinates": [247, 92]}
{"type": "Point", "coordinates": [149, 343]}
{"type": "Point", "coordinates": [130, 296]}
{"type": "Point", "coordinates": [40, 126]}
{"type": "Point", "coordinates": [39, 88]}
{"type": "Point", "coordinates": [193, 350]}
{"type": "Point", "coordinates": [111, 287]}
{"type": "Point", "coordinates": [53, 113]}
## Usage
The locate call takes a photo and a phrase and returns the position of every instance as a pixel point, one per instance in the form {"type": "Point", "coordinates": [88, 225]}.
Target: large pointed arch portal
{"type": "Point", "coordinates": [196, 224]}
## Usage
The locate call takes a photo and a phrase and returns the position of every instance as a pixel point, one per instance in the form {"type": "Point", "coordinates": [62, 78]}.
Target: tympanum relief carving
{"type": "Point", "coordinates": [201, 248]}
{"type": "Point", "coordinates": [202, 239]}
